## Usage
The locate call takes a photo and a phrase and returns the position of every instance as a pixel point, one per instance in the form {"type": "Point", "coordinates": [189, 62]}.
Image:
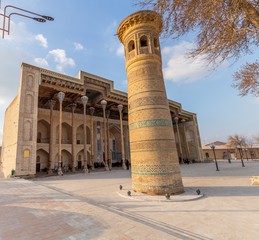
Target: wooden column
{"type": "Point", "coordinates": [185, 139]}
{"type": "Point", "coordinates": [120, 108]}
{"type": "Point", "coordinates": [84, 100]}
{"type": "Point", "coordinates": [176, 119]}
{"type": "Point", "coordinates": [104, 103]}
{"type": "Point", "coordinates": [61, 97]}
{"type": "Point", "coordinates": [91, 110]}
{"type": "Point", "coordinates": [73, 107]}
{"type": "Point", "coordinates": [108, 142]}
{"type": "Point", "coordinates": [51, 105]}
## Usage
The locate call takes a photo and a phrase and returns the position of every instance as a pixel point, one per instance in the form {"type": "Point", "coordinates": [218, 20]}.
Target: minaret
{"type": "Point", "coordinates": [154, 159]}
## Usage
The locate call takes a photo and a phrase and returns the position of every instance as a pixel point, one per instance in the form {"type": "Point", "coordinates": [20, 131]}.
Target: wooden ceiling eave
{"type": "Point", "coordinates": [63, 88]}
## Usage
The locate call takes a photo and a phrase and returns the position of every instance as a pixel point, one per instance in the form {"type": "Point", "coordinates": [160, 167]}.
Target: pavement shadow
{"type": "Point", "coordinates": [233, 191]}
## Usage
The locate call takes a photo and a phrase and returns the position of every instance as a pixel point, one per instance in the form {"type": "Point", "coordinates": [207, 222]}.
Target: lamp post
{"type": "Point", "coordinates": [120, 108]}
{"type": "Point", "coordinates": [212, 146]}
{"type": "Point", "coordinates": [84, 100]}
{"type": "Point", "coordinates": [176, 119]}
{"type": "Point", "coordinates": [239, 147]}
{"type": "Point", "coordinates": [61, 97]}
{"type": "Point", "coordinates": [104, 103]}
{"type": "Point", "coordinates": [41, 18]}
{"type": "Point", "coordinates": [91, 110]}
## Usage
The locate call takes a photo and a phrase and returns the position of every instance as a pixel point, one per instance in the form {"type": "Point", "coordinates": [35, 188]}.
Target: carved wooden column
{"type": "Point", "coordinates": [176, 119]}
{"type": "Point", "coordinates": [73, 107]}
{"type": "Point", "coordinates": [91, 110]}
{"type": "Point", "coordinates": [51, 105]}
{"type": "Point", "coordinates": [104, 103]}
{"type": "Point", "coordinates": [120, 108]}
{"type": "Point", "coordinates": [108, 142]}
{"type": "Point", "coordinates": [84, 100]}
{"type": "Point", "coordinates": [185, 139]}
{"type": "Point", "coordinates": [61, 97]}
{"type": "Point", "coordinates": [197, 139]}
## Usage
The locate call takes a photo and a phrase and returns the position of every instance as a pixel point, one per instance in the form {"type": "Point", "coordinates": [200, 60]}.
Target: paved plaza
{"type": "Point", "coordinates": [93, 207]}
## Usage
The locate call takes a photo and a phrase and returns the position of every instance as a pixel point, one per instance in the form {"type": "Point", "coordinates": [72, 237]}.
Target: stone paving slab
{"type": "Point", "coordinates": [92, 206]}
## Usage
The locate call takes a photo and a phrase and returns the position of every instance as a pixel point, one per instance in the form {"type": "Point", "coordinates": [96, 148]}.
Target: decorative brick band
{"type": "Point", "coordinates": [151, 123]}
{"type": "Point", "coordinates": [154, 173]}
{"type": "Point", "coordinates": [157, 100]}
{"type": "Point", "coordinates": [154, 170]}
{"type": "Point", "coordinates": [152, 144]}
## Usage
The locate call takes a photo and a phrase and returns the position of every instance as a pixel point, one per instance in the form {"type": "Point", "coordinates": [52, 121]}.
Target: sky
{"type": "Point", "coordinates": [82, 37]}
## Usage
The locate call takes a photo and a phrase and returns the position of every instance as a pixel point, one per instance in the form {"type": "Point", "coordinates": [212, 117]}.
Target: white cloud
{"type": "Point", "coordinates": [61, 59]}
{"type": "Point", "coordinates": [180, 68]}
{"type": "Point", "coordinates": [43, 41]}
{"type": "Point", "coordinates": [78, 46]}
{"type": "Point", "coordinates": [19, 33]}
{"type": "Point", "coordinates": [41, 62]}
{"type": "Point", "coordinates": [120, 51]}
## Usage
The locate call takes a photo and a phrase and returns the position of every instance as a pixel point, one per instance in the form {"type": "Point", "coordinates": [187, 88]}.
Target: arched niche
{"type": "Point", "coordinates": [29, 103]}
{"type": "Point", "coordinates": [143, 41]}
{"type": "Point", "coordinates": [80, 135]}
{"type": "Point", "coordinates": [27, 130]}
{"type": "Point", "coordinates": [43, 128]}
{"type": "Point", "coordinates": [131, 45]}
{"type": "Point", "coordinates": [30, 80]}
{"type": "Point", "coordinates": [66, 134]}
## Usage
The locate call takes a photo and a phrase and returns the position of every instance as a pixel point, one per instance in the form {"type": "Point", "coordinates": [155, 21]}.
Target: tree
{"type": "Point", "coordinates": [236, 140]}
{"type": "Point", "coordinates": [224, 29]}
{"type": "Point", "coordinates": [247, 79]}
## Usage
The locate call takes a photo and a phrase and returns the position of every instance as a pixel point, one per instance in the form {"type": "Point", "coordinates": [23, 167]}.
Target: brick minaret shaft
{"type": "Point", "coordinates": [154, 160]}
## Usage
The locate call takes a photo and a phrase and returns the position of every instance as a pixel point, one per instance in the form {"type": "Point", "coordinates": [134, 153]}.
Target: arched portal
{"type": "Point", "coordinates": [42, 160]}
{"type": "Point", "coordinates": [80, 159]}
{"type": "Point", "coordinates": [115, 144]}
{"type": "Point", "coordinates": [66, 160]}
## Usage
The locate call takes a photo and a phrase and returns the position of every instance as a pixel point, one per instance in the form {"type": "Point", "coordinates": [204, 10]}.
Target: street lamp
{"type": "Point", "coordinates": [84, 100]}
{"type": "Point", "coordinates": [120, 108]}
{"type": "Point", "coordinates": [212, 146]}
{"type": "Point", "coordinates": [61, 97]}
{"type": "Point", "coordinates": [239, 147]}
{"type": "Point", "coordinates": [41, 18]}
{"type": "Point", "coordinates": [104, 104]}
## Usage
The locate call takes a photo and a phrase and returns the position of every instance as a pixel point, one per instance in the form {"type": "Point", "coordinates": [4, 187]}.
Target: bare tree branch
{"type": "Point", "coordinates": [223, 28]}
{"type": "Point", "coordinates": [247, 79]}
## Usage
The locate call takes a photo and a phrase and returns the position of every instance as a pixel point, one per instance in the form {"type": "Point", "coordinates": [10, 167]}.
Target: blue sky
{"type": "Point", "coordinates": [82, 38]}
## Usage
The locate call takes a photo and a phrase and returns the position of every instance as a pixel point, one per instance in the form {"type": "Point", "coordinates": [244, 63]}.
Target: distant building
{"type": "Point", "coordinates": [225, 151]}
{"type": "Point", "coordinates": [31, 128]}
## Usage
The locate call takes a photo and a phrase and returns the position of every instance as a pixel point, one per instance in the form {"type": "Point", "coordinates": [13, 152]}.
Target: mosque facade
{"type": "Point", "coordinates": [40, 130]}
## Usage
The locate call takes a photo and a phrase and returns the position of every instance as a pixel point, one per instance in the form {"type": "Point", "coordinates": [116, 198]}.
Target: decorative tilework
{"type": "Point", "coordinates": [147, 101]}
{"type": "Point", "coordinates": [151, 123]}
